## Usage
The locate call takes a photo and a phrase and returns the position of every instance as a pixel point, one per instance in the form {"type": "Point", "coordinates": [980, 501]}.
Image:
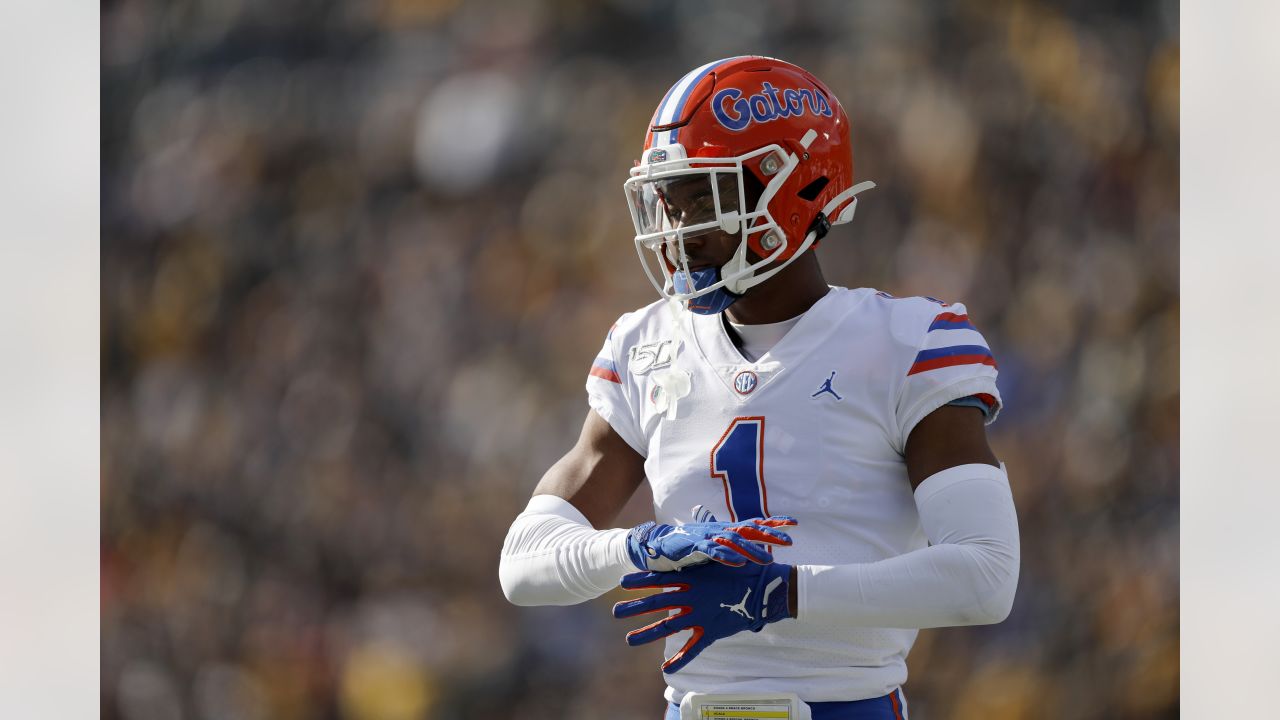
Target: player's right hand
{"type": "Point", "coordinates": [714, 602]}
{"type": "Point", "coordinates": [663, 548]}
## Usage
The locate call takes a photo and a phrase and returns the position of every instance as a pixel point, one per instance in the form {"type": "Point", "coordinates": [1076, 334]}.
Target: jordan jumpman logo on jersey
{"type": "Point", "coordinates": [826, 387]}
{"type": "Point", "coordinates": [740, 608]}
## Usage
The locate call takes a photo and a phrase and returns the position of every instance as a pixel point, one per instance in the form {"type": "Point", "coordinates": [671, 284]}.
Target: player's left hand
{"type": "Point", "coordinates": [713, 600]}
{"type": "Point", "coordinates": [672, 547]}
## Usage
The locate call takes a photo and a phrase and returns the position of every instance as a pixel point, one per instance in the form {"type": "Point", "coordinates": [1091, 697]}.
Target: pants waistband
{"type": "Point", "coordinates": [887, 707]}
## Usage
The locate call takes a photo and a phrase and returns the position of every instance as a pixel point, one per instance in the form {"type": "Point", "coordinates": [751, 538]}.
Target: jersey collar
{"type": "Point", "coordinates": [712, 342]}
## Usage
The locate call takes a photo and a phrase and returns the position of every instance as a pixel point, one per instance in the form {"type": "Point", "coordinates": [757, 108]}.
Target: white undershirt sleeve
{"type": "Point", "coordinates": [552, 556]}
{"type": "Point", "coordinates": [967, 576]}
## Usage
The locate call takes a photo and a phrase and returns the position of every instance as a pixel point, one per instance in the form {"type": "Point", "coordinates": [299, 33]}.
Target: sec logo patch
{"type": "Point", "coordinates": [745, 382]}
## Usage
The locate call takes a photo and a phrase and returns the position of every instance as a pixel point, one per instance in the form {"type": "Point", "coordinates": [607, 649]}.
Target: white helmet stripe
{"type": "Point", "coordinates": [676, 97]}
{"type": "Point", "coordinates": [668, 112]}
{"type": "Point", "coordinates": [653, 137]}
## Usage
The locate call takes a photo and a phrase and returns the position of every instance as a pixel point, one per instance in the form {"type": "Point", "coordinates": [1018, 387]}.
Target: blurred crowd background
{"type": "Point", "coordinates": [357, 259]}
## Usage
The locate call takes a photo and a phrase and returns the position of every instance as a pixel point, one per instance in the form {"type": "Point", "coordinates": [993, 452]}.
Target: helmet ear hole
{"type": "Point", "coordinates": [811, 191]}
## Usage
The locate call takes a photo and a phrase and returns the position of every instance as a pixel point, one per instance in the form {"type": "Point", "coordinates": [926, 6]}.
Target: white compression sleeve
{"type": "Point", "coordinates": [552, 556]}
{"type": "Point", "coordinates": [967, 576]}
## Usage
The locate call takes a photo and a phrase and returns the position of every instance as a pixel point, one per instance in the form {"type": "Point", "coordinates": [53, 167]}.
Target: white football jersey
{"type": "Point", "coordinates": [814, 429]}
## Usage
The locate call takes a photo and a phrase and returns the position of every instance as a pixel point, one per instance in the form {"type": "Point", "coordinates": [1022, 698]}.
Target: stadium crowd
{"type": "Point", "coordinates": [357, 258]}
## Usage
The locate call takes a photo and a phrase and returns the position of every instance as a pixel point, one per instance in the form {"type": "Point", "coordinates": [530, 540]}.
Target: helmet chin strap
{"type": "Point", "coordinates": [739, 262]}
{"type": "Point", "coordinates": [736, 265]}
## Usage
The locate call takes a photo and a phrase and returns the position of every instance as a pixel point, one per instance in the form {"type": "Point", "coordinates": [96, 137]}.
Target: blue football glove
{"type": "Point", "coordinates": [715, 601]}
{"type": "Point", "coordinates": [665, 547]}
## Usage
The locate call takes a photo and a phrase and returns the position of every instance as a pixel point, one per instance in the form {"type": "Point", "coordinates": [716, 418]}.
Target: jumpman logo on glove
{"type": "Point", "coordinates": [690, 599]}
{"type": "Point", "coordinates": [740, 608]}
{"type": "Point", "coordinates": [665, 547]}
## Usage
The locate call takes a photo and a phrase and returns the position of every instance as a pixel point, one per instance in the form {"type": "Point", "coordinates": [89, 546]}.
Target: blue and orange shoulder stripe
{"type": "Point", "coordinates": [952, 340]}
{"type": "Point", "coordinates": [604, 368]}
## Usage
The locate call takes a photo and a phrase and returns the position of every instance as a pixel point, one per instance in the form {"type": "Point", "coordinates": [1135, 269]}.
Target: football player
{"type": "Point", "coordinates": [830, 443]}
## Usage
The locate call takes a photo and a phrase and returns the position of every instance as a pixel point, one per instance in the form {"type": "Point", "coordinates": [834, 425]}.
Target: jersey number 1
{"type": "Point", "coordinates": [738, 461]}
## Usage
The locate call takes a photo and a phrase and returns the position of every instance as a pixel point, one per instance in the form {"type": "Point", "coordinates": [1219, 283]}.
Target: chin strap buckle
{"type": "Point", "coordinates": [819, 227]}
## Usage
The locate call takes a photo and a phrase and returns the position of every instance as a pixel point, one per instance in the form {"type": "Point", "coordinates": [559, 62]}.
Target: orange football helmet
{"type": "Point", "coordinates": [730, 125]}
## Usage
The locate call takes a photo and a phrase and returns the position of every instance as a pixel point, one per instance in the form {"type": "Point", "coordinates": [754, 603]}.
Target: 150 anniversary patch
{"type": "Point", "coordinates": [643, 358]}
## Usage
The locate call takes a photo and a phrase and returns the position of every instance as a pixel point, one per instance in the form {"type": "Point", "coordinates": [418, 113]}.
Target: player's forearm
{"type": "Point", "coordinates": [966, 577]}
{"type": "Point", "coordinates": [552, 556]}
{"type": "Point", "coordinates": [939, 586]}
